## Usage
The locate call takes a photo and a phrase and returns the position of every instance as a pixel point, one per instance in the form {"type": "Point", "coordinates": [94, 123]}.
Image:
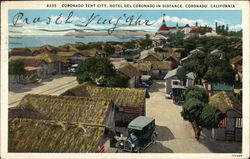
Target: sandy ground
{"type": "Point", "coordinates": [55, 85]}
{"type": "Point", "coordinates": [176, 135]}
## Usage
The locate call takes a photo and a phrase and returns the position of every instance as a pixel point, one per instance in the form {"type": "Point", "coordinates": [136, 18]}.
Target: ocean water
{"type": "Point", "coordinates": [37, 41]}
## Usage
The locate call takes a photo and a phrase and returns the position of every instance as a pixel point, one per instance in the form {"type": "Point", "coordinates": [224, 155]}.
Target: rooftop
{"type": "Point", "coordinates": [143, 66]}
{"type": "Point", "coordinates": [45, 56]}
{"type": "Point", "coordinates": [140, 122]}
{"type": "Point", "coordinates": [29, 135]}
{"type": "Point", "coordinates": [129, 70]}
{"type": "Point", "coordinates": [155, 55]}
{"type": "Point", "coordinates": [63, 108]}
{"type": "Point", "coordinates": [88, 53]}
{"type": "Point", "coordinates": [161, 65]}
{"type": "Point", "coordinates": [176, 57]}
{"type": "Point", "coordinates": [30, 62]}
{"type": "Point", "coordinates": [21, 52]}
{"type": "Point", "coordinates": [174, 72]}
{"type": "Point", "coordinates": [236, 59]}
{"type": "Point", "coordinates": [125, 97]}
{"type": "Point", "coordinates": [225, 101]}
{"type": "Point", "coordinates": [163, 28]}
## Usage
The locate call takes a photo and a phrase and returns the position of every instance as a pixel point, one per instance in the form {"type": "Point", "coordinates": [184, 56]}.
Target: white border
{"type": "Point", "coordinates": [243, 5]}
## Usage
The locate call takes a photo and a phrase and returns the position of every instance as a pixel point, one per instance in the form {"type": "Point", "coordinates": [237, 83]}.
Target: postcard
{"type": "Point", "coordinates": [124, 79]}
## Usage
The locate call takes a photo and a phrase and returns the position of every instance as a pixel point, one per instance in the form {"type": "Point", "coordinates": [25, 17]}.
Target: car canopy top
{"type": "Point", "coordinates": [145, 77]}
{"type": "Point", "coordinates": [178, 87]}
{"type": "Point", "coordinates": [140, 122]}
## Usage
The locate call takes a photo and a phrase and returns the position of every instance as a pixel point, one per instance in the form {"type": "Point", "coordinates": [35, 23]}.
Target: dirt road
{"type": "Point", "coordinates": [176, 135]}
{"type": "Point", "coordinates": [52, 86]}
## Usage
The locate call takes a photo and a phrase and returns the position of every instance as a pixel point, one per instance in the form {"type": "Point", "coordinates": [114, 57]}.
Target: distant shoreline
{"type": "Point", "coordinates": [22, 41]}
{"type": "Point", "coordinates": [82, 34]}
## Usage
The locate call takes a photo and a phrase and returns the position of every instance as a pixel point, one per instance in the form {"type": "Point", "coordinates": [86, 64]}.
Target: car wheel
{"type": "Point", "coordinates": [119, 150]}
{"type": "Point", "coordinates": [176, 100]}
{"type": "Point", "coordinates": [153, 138]}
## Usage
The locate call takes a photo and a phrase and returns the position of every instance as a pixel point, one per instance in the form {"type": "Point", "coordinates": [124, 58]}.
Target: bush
{"type": "Point", "coordinates": [16, 68]}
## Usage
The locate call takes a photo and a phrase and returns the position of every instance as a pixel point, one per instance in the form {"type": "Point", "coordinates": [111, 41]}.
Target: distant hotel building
{"type": "Point", "coordinates": [189, 31]}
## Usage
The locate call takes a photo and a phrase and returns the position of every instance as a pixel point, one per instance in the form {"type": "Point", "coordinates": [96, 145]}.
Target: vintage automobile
{"type": "Point", "coordinates": [145, 82]}
{"type": "Point", "coordinates": [177, 94]}
{"type": "Point", "coordinates": [146, 79]}
{"type": "Point", "coordinates": [141, 134]}
{"type": "Point", "coordinates": [73, 69]}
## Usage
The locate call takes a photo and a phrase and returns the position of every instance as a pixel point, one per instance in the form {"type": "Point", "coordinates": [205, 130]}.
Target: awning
{"type": "Point", "coordinates": [30, 68]}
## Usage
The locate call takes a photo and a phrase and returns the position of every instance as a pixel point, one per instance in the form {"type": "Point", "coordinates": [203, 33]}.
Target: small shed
{"type": "Point", "coordinates": [54, 63]}
{"type": "Point", "coordinates": [213, 88]}
{"type": "Point", "coordinates": [40, 67]}
{"type": "Point", "coordinates": [174, 58]}
{"type": "Point", "coordinates": [76, 57]}
{"type": "Point", "coordinates": [160, 69]}
{"type": "Point", "coordinates": [131, 73]}
{"type": "Point", "coordinates": [171, 79]}
{"type": "Point", "coordinates": [230, 127]}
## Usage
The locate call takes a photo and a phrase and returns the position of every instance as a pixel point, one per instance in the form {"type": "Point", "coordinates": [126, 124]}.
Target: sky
{"type": "Point", "coordinates": [120, 17]}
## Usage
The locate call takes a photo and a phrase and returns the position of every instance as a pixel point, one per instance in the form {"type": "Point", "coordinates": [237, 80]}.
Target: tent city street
{"type": "Point", "coordinates": [174, 88]}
